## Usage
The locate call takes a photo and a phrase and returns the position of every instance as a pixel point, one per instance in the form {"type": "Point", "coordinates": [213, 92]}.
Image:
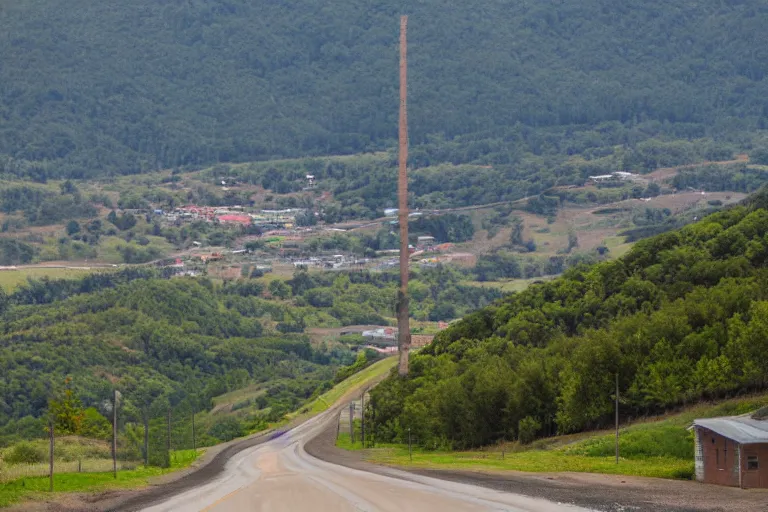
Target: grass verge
{"type": "Point", "coordinates": [533, 461]}
{"type": "Point", "coordinates": [31, 488]}
{"type": "Point", "coordinates": [324, 401]}
{"type": "Point", "coordinates": [661, 447]}
{"type": "Point", "coordinates": [37, 487]}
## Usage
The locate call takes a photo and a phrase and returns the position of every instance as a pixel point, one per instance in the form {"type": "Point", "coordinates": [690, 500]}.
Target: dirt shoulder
{"type": "Point", "coordinates": [594, 491]}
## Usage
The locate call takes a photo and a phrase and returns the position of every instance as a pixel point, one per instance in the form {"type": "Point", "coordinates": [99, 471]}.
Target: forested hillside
{"type": "Point", "coordinates": [178, 342]}
{"type": "Point", "coordinates": [114, 87]}
{"type": "Point", "coordinates": [681, 317]}
{"type": "Point", "coordinates": [183, 341]}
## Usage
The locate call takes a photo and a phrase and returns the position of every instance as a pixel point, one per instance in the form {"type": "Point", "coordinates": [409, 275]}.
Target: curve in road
{"type": "Point", "coordinates": [280, 476]}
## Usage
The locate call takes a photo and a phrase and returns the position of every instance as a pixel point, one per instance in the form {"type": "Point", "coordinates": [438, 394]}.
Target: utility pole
{"type": "Point", "coordinates": [114, 432]}
{"type": "Point", "coordinates": [410, 453]}
{"type": "Point", "coordinates": [362, 421]}
{"type": "Point", "coordinates": [352, 422]}
{"type": "Point", "coordinates": [403, 322]}
{"type": "Point", "coordinates": [168, 441]}
{"type": "Point", "coordinates": [51, 428]}
{"type": "Point", "coordinates": [617, 417]}
{"type": "Point", "coordinates": [146, 439]}
{"type": "Point", "coordinates": [194, 445]}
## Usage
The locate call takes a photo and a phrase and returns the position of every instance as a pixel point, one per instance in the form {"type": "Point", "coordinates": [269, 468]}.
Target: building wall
{"type": "Point", "coordinates": [720, 458]}
{"type": "Point", "coordinates": [752, 478]}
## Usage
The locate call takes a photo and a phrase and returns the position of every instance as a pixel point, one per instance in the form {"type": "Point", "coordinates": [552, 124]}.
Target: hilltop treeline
{"type": "Point", "coordinates": [126, 88]}
{"type": "Point", "coordinates": [681, 317]}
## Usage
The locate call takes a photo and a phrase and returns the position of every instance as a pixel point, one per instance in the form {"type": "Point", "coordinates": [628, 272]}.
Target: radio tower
{"type": "Point", "coordinates": [403, 322]}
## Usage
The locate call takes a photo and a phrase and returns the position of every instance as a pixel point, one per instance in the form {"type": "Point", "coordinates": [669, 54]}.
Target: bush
{"type": "Point", "coordinates": [527, 429]}
{"type": "Point", "coordinates": [24, 453]}
{"type": "Point", "coordinates": [95, 425]}
{"type": "Point", "coordinates": [226, 429]}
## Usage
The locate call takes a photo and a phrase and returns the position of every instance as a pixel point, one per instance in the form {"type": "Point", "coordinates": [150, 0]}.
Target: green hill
{"type": "Point", "coordinates": [160, 342]}
{"type": "Point", "coordinates": [680, 318]}
{"type": "Point", "coordinates": [120, 87]}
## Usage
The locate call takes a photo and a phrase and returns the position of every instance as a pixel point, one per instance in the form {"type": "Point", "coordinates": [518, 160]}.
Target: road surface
{"type": "Point", "coordinates": [279, 476]}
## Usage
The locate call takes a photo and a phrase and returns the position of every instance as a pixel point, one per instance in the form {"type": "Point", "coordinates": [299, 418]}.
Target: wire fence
{"type": "Point", "coordinates": [9, 472]}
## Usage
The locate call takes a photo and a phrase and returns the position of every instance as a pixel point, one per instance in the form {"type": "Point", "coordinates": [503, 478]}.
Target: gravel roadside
{"type": "Point", "coordinates": [610, 493]}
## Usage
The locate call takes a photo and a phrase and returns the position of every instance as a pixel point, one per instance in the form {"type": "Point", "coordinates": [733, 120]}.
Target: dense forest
{"type": "Point", "coordinates": [188, 340]}
{"type": "Point", "coordinates": [179, 342]}
{"type": "Point", "coordinates": [114, 88]}
{"type": "Point", "coordinates": [680, 318]}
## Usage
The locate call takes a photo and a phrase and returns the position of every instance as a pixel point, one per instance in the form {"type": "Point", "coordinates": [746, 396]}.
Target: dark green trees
{"type": "Point", "coordinates": [681, 317]}
{"type": "Point", "coordinates": [150, 86]}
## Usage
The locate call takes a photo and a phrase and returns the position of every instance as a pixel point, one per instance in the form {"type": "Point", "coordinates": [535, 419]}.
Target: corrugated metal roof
{"type": "Point", "coordinates": [742, 429]}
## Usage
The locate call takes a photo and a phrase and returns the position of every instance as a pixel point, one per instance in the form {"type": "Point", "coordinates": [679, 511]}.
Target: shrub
{"type": "Point", "coordinates": [226, 429]}
{"type": "Point", "coordinates": [95, 425]}
{"type": "Point", "coordinates": [24, 453]}
{"type": "Point", "coordinates": [527, 429]}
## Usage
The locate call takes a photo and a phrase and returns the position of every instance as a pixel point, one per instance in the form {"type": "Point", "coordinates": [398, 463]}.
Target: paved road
{"type": "Point", "coordinates": [279, 476]}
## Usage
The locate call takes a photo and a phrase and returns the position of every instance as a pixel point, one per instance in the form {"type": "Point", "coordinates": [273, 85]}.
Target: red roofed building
{"type": "Point", "coordinates": [235, 219]}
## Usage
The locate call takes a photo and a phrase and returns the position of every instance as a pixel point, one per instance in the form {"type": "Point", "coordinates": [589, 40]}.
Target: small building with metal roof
{"type": "Point", "coordinates": [732, 451]}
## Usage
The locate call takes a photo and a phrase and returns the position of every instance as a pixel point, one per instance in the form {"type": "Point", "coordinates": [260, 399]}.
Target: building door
{"type": "Point", "coordinates": [751, 477]}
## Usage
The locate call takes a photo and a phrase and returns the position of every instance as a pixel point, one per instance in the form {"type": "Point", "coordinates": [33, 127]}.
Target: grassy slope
{"type": "Point", "coordinates": [37, 487]}
{"type": "Point", "coordinates": [324, 401]}
{"type": "Point", "coordinates": [656, 448]}
{"type": "Point", "coordinates": [12, 279]}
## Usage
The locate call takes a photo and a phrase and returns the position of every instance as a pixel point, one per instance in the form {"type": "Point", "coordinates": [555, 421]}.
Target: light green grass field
{"type": "Point", "coordinates": [617, 246]}
{"type": "Point", "coordinates": [508, 285]}
{"type": "Point", "coordinates": [12, 279]}
{"type": "Point", "coordinates": [656, 448]}
{"type": "Point", "coordinates": [252, 391]}
{"type": "Point", "coordinates": [109, 253]}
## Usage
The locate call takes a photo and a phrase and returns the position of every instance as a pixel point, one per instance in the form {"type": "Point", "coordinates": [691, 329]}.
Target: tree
{"type": "Point", "coordinates": [95, 425]}
{"type": "Point", "coordinates": [73, 227]}
{"type": "Point", "coordinates": [306, 218]}
{"type": "Point", "coordinates": [573, 240]}
{"type": "Point", "coordinates": [148, 399]}
{"type": "Point", "coordinates": [516, 236]}
{"type": "Point", "coordinates": [759, 156]}
{"type": "Point", "coordinates": [279, 289]}
{"type": "Point", "coordinates": [66, 410]}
